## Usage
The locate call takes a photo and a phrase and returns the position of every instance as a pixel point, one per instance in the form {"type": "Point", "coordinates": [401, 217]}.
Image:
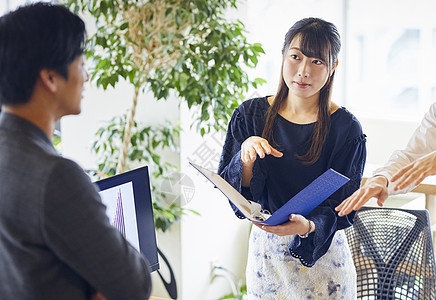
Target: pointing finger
{"type": "Point", "coordinates": [276, 153]}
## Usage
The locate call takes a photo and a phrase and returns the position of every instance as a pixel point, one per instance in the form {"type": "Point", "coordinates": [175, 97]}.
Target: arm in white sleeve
{"type": "Point", "coordinates": [422, 142]}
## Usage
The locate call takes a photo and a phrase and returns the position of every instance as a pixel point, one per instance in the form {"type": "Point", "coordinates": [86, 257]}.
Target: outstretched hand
{"type": "Point", "coordinates": [415, 172]}
{"type": "Point", "coordinates": [297, 225]}
{"type": "Point", "coordinates": [255, 145]}
{"type": "Point", "coordinates": [375, 187]}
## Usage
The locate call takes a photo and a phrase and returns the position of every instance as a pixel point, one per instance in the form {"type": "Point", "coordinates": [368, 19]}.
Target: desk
{"type": "Point", "coordinates": [157, 298]}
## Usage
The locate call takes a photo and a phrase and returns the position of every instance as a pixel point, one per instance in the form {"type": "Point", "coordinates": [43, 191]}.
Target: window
{"type": "Point", "coordinates": [386, 66]}
{"type": "Point", "coordinates": [390, 50]}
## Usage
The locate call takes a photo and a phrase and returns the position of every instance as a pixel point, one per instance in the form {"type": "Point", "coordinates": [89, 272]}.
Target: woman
{"type": "Point", "coordinates": [277, 145]}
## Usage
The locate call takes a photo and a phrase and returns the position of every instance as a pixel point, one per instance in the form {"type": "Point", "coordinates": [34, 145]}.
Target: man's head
{"type": "Point", "coordinates": [32, 38]}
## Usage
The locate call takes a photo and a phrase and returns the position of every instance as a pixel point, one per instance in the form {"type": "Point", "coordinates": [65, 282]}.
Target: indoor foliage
{"type": "Point", "coordinates": [186, 47]}
{"type": "Point", "coordinates": [146, 143]}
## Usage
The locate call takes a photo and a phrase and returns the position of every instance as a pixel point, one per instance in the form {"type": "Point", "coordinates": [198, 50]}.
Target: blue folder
{"type": "Point", "coordinates": [302, 203]}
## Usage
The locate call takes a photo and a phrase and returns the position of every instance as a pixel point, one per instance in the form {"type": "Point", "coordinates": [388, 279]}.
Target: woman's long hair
{"type": "Point", "coordinates": [318, 38]}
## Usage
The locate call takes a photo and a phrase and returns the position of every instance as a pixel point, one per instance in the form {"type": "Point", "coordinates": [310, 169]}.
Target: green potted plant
{"type": "Point", "coordinates": [186, 47]}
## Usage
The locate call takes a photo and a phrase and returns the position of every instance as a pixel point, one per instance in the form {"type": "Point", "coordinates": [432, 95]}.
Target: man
{"type": "Point", "coordinates": [404, 170]}
{"type": "Point", "coordinates": [55, 239]}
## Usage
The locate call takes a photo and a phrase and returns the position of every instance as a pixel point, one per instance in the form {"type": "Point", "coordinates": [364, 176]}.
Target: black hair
{"type": "Point", "coordinates": [320, 39]}
{"type": "Point", "coordinates": [35, 37]}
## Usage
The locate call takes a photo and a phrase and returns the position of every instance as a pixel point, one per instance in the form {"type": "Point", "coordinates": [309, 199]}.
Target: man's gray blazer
{"type": "Point", "coordinates": [55, 239]}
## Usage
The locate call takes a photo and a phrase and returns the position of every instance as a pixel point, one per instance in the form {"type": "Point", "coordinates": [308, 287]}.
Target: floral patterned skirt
{"type": "Point", "coordinates": [273, 274]}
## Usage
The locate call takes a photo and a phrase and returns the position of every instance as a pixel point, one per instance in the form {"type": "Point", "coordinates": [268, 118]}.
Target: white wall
{"type": "Point", "coordinates": [216, 237]}
{"type": "Point", "coordinates": [385, 136]}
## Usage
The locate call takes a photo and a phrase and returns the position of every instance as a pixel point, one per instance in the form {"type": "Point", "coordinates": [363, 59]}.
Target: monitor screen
{"type": "Point", "coordinates": [128, 205]}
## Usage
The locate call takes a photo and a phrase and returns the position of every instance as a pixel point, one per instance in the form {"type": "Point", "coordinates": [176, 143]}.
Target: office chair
{"type": "Point", "coordinates": [393, 254]}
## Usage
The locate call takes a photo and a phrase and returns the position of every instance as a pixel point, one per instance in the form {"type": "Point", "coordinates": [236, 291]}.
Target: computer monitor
{"type": "Point", "coordinates": [128, 200]}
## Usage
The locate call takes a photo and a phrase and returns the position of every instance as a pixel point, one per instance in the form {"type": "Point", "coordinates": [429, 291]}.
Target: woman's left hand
{"type": "Point", "coordinates": [297, 225]}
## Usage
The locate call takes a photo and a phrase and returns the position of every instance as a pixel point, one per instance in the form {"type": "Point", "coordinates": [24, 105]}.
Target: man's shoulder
{"type": "Point", "coordinates": [64, 169]}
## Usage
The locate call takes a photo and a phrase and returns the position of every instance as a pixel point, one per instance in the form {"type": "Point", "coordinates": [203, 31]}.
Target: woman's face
{"type": "Point", "coordinates": [304, 76]}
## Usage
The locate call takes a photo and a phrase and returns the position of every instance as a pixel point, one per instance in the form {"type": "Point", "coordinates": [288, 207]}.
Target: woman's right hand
{"type": "Point", "coordinates": [255, 145]}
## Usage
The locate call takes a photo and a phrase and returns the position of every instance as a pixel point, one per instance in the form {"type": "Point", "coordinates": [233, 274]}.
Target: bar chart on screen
{"type": "Point", "coordinates": [120, 209]}
{"type": "Point", "coordinates": [118, 220]}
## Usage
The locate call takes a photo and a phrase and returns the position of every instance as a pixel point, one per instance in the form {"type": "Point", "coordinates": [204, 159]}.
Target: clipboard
{"type": "Point", "coordinates": [302, 203]}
